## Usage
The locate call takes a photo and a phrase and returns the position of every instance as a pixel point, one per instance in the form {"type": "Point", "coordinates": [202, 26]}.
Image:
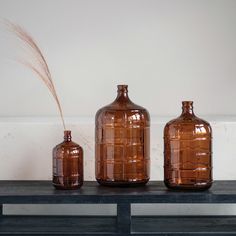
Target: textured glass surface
{"type": "Point", "coordinates": [67, 164]}
{"type": "Point", "coordinates": [188, 151]}
{"type": "Point", "coordinates": [122, 136]}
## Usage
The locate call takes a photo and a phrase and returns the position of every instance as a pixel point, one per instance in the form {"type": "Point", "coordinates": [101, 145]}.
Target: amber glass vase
{"type": "Point", "coordinates": [67, 164]}
{"type": "Point", "coordinates": [122, 137]}
{"type": "Point", "coordinates": [187, 151]}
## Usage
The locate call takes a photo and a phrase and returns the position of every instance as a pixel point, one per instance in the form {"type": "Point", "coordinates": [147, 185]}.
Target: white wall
{"type": "Point", "coordinates": [26, 146]}
{"type": "Point", "coordinates": [166, 51]}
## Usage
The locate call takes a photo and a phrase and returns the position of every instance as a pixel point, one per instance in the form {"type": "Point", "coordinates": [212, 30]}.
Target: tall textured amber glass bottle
{"type": "Point", "coordinates": [187, 151]}
{"type": "Point", "coordinates": [67, 164]}
{"type": "Point", "coordinates": [122, 136]}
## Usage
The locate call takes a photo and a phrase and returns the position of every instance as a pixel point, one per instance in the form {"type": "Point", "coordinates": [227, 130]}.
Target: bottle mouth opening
{"type": "Point", "coordinates": [67, 132]}
{"type": "Point", "coordinates": [187, 103]}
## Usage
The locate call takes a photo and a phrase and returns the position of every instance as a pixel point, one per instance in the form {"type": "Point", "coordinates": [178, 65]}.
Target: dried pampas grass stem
{"type": "Point", "coordinates": [38, 65]}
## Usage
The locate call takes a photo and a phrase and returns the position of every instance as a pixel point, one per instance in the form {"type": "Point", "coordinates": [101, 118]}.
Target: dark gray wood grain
{"type": "Point", "coordinates": [57, 225]}
{"type": "Point", "coordinates": [91, 192]}
{"type": "Point", "coordinates": [123, 217]}
{"type": "Point", "coordinates": [78, 225]}
{"type": "Point", "coordinates": [185, 225]}
{"type": "Point", "coordinates": [40, 192]}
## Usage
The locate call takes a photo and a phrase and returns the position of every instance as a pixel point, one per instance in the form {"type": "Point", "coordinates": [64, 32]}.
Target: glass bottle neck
{"type": "Point", "coordinates": [67, 136]}
{"type": "Point", "coordinates": [187, 108]}
{"type": "Point", "coordinates": [122, 92]}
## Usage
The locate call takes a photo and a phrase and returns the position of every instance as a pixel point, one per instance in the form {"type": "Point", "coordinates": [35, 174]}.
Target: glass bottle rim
{"type": "Point", "coordinates": [187, 103]}
{"type": "Point", "coordinates": [122, 86]}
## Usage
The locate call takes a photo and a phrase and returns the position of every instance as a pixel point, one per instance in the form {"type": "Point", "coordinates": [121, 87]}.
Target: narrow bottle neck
{"type": "Point", "coordinates": [187, 108]}
{"type": "Point", "coordinates": [122, 92]}
{"type": "Point", "coordinates": [67, 136]}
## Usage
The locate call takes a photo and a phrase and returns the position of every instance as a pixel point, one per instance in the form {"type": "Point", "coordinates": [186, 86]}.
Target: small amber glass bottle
{"type": "Point", "coordinates": [122, 137]}
{"type": "Point", "coordinates": [188, 151]}
{"type": "Point", "coordinates": [67, 164]}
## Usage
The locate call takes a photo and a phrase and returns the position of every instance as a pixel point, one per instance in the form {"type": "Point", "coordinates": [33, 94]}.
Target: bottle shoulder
{"type": "Point", "coordinates": [128, 109]}
{"type": "Point", "coordinates": [194, 121]}
{"type": "Point", "coordinates": [68, 145]}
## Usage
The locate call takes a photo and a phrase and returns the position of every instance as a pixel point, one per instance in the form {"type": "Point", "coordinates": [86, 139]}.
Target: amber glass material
{"type": "Point", "coordinates": [122, 142]}
{"type": "Point", "coordinates": [67, 164]}
{"type": "Point", "coordinates": [187, 151]}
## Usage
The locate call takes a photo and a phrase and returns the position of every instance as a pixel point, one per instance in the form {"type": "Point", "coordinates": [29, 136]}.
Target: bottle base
{"type": "Point", "coordinates": [113, 183]}
{"type": "Point", "coordinates": [66, 183]}
{"type": "Point", "coordinates": [193, 187]}
{"type": "Point", "coordinates": [59, 187]}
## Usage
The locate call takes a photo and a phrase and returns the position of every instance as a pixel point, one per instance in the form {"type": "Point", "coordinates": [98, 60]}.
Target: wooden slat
{"type": "Point", "coordinates": [184, 225]}
{"type": "Point", "coordinates": [78, 225]}
{"type": "Point", "coordinates": [154, 192]}
{"type": "Point", "coordinates": [124, 218]}
{"type": "Point", "coordinates": [57, 225]}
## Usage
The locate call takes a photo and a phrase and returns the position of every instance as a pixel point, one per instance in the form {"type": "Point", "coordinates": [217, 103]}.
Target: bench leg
{"type": "Point", "coordinates": [124, 218]}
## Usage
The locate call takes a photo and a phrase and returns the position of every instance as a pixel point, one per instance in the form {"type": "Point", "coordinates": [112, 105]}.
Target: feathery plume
{"type": "Point", "coordinates": [39, 67]}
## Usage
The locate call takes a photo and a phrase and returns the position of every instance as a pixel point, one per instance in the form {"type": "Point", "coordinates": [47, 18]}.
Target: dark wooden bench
{"type": "Point", "coordinates": [42, 192]}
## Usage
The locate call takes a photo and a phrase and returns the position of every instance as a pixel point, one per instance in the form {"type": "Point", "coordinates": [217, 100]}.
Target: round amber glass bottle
{"type": "Point", "coordinates": [122, 137]}
{"type": "Point", "coordinates": [188, 151]}
{"type": "Point", "coordinates": [67, 164]}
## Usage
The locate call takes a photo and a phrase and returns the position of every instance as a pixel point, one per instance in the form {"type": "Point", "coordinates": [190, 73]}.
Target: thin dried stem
{"type": "Point", "coordinates": [40, 68]}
